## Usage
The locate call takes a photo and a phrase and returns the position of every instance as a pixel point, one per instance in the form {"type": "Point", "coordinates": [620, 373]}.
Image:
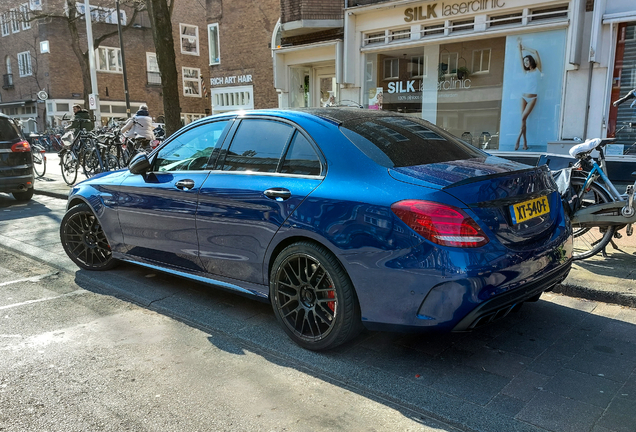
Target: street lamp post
{"type": "Point", "coordinates": [123, 60]}
{"type": "Point", "coordinates": [91, 60]}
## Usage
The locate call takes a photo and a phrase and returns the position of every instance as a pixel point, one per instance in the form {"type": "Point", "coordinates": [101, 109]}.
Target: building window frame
{"type": "Point", "coordinates": [25, 16]}
{"type": "Point", "coordinates": [418, 66]}
{"type": "Point", "coordinates": [393, 68]}
{"type": "Point", "coordinates": [187, 76]}
{"type": "Point", "coordinates": [108, 50]}
{"type": "Point", "coordinates": [478, 55]}
{"type": "Point", "coordinates": [152, 69]}
{"type": "Point", "coordinates": [214, 44]}
{"type": "Point", "coordinates": [190, 38]}
{"type": "Point", "coordinates": [24, 64]}
{"type": "Point", "coordinates": [15, 22]}
{"type": "Point", "coordinates": [5, 24]}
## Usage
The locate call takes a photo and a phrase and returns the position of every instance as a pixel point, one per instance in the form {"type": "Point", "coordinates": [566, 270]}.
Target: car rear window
{"type": "Point", "coordinates": [395, 142]}
{"type": "Point", "coordinates": [8, 130]}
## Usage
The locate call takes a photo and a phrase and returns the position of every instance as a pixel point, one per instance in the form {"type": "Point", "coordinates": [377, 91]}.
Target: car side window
{"type": "Point", "coordinates": [191, 150]}
{"type": "Point", "coordinates": [257, 146]}
{"type": "Point", "coordinates": [301, 158]}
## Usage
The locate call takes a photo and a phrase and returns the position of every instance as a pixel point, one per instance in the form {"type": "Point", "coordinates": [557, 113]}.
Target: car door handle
{"type": "Point", "coordinates": [184, 184]}
{"type": "Point", "coordinates": [279, 194]}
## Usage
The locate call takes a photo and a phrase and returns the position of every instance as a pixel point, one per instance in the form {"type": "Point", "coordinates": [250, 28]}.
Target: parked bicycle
{"type": "Point", "coordinates": [39, 159]}
{"type": "Point", "coordinates": [598, 211]}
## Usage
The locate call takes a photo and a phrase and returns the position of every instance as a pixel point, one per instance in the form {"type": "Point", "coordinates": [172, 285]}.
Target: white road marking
{"type": "Point", "coordinates": [73, 293]}
{"type": "Point", "coordinates": [29, 279]}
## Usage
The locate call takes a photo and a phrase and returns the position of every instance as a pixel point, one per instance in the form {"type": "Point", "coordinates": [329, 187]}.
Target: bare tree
{"type": "Point", "coordinates": [72, 16]}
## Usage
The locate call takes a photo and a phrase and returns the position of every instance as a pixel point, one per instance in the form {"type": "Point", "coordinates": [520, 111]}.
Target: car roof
{"type": "Point", "coordinates": [337, 115]}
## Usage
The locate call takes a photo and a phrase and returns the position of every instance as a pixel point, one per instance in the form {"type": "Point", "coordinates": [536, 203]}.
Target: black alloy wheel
{"type": "Point", "coordinates": [84, 240]}
{"type": "Point", "coordinates": [313, 297]}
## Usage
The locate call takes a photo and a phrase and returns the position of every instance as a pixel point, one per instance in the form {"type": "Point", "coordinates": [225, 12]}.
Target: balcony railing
{"type": "Point", "coordinates": [7, 81]}
{"type": "Point", "coordinates": [154, 78]}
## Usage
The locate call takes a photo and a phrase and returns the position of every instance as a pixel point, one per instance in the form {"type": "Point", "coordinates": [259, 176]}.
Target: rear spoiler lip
{"type": "Point", "coordinates": [543, 168]}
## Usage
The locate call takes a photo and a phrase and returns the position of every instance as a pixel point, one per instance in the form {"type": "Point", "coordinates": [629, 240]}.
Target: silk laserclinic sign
{"type": "Point", "coordinates": [443, 9]}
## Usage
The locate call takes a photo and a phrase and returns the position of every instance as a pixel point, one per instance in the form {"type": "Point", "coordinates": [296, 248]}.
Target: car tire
{"type": "Point", "coordinates": [23, 196]}
{"type": "Point", "coordinates": [84, 240]}
{"type": "Point", "coordinates": [313, 297]}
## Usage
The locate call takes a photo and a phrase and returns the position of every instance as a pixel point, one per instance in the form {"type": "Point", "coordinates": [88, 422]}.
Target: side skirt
{"type": "Point", "coordinates": [247, 289]}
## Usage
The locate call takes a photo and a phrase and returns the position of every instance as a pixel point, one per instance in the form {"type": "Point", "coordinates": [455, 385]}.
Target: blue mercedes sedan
{"type": "Point", "coordinates": [341, 218]}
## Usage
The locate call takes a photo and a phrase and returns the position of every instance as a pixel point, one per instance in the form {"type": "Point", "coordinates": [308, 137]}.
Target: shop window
{"type": "Point", "coordinates": [391, 68]}
{"type": "Point", "coordinates": [189, 39]}
{"type": "Point", "coordinates": [369, 72]}
{"type": "Point", "coordinates": [462, 25]}
{"type": "Point", "coordinates": [191, 82]}
{"type": "Point", "coordinates": [507, 19]}
{"type": "Point", "coordinates": [554, 12]}
{"type": "Point", "coordinates": [373, 38]}
{"type": "Point", "coordinates": [62, 107]}
{"type": "Point", "coordinates": [109, 59]}
{"type": "Point", "coordinates": [215, 47]}
{"type": "Point", "coordinates": [400, 34]}
{"type": "Point", "coordinates": [118, 109]}
{"type": "Point", "coordinates": [417, 67]}
{"type": "Point", "coordinates": [431, 30]}
{"type": "Point", "coordinates": [24, 64]}
{"type": "Point", "coordinates": [481, 60]}
{"type": "Point", "coordinates": [233, 98]}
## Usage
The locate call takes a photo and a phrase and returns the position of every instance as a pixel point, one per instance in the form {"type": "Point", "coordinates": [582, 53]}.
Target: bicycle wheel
{"type": "Point", "coordinates": [112, 163]}
{"type": "Point", "coordinates": [39, 162]}
{"type": "Point", "coordinates": [69, 166]}
{"type": "Point", "coordinates": [91, 163]}
{"type": "Point", "coordinates": [590, 241]}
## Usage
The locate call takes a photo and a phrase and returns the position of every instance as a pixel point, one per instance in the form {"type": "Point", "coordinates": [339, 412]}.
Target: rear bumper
{"type": "Point", "coordinates": [498, 307]}
{"type": "Point", "coordinates": [16, 183]}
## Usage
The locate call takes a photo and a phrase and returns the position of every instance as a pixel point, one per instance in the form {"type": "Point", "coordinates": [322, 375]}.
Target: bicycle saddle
{"type": "Point", "coordinates": [588, 146]}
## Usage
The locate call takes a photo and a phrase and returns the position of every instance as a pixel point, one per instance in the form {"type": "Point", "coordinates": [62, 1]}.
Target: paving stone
{"type": "Point", "coordinates": [475, 386]}
{"type": "Point", "coordinates": [550, 362]}
{"type": "Point", "coordinates": [620, 416]}
{"type": "Point", "coordinates": [611, 346]}
{"type": "Point", "coordinates": [593, 390]}
{"type": "Point", "coordinates": [600, 364]}
{"type": "Point", "coordinates": [498, 362]}
{"type": "Point", "coordinates": [557, 413]}
{"type": "Point", "coordinates": [506, 405]}
{"type": "Point", "coordinates": [520, 343]}
{"type": "Point", "coordinates": [526, 385]}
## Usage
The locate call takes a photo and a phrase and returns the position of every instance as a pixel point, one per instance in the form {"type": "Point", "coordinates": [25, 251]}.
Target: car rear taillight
{"type": "Point", "coordinates": [440, 223]}
{"type": "Point", "coordinates": [22, 146]}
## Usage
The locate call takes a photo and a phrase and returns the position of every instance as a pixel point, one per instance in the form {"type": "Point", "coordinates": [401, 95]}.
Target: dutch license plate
{"type": "Point", "coordinates": [529, 209]}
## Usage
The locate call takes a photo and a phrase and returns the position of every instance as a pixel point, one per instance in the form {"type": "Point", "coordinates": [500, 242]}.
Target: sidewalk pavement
{"type": "Point", "coordinates": [610, 279]}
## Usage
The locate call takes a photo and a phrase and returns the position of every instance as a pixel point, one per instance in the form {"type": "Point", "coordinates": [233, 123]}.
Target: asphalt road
{"type": "Point", "coordinates": [130, 349]}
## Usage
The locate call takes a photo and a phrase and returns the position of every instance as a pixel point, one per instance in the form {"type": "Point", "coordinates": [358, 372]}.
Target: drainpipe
{"type": "Point", "coordinates": [595, 42]}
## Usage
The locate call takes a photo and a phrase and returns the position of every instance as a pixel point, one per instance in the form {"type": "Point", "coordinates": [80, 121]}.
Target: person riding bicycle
{"type": "Point", "coordinates": [81, 120]}
{"type": "Point", "coordinates": [140, 127]}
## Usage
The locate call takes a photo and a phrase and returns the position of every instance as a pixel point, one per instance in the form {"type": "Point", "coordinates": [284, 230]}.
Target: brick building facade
{"type": "Point", "coordinates": [236, 75]}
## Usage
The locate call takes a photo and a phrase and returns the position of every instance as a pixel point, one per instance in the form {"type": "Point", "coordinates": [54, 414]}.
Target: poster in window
{"type": "Point", "coordinates": [376, 97]}
{"type": "Point", "coordinates": [533, 80]}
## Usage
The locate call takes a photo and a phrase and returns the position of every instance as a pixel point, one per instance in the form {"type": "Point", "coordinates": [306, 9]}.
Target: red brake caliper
{"type": "Point", "coordinates": [331, 304]}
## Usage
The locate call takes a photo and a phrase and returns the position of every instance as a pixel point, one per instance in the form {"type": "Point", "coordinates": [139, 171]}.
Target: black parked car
{"type": "Point", "coordinates": [16, 163]}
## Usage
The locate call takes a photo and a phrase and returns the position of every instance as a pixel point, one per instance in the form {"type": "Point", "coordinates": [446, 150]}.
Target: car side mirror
{"type": "Point", "coordinates": [139, 164]}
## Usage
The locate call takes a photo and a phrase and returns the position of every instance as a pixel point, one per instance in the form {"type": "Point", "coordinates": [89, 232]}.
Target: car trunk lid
{"type": "Point", "coordinates": [517, 203]}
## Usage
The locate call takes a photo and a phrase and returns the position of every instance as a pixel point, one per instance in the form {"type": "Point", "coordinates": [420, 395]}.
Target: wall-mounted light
{"type": "Point", "coordinates": [44, 47]}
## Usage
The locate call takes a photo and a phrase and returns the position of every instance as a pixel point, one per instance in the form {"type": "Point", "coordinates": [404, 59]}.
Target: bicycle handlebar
{"type": "Point", "coordinates": [628, 96]}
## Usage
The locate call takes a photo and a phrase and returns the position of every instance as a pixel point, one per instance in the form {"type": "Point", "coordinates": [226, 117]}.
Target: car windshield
{"type": "Point", "coordinates": [8, 130]}
{"type": "Point", "coordinates": [395, 142]}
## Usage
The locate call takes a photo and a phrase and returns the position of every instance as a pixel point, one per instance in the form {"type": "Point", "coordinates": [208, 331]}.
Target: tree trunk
{"type": "Point", "coordinates": [160, 19]}
{"type": "Point", "coordinates": [82, 57]}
